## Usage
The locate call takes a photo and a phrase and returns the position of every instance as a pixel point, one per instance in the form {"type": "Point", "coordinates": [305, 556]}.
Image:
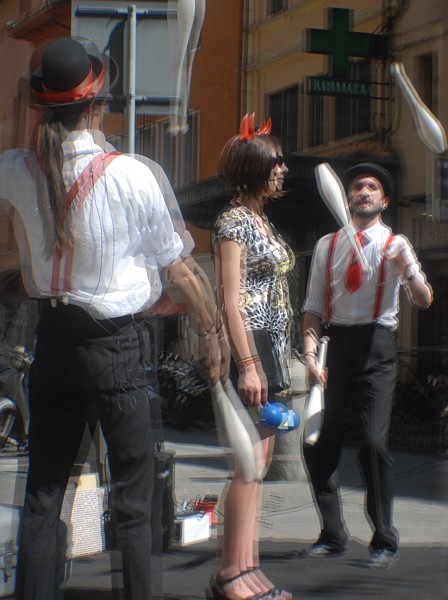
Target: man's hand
{"type": "Point", "coordinates": [209, 363]}
{"type": "Point", "coordinates": [184, 280]}
{"type": "Point", "coordinates": [404, 262]}
{"type": "Point", "coordinates": [401, 259]}
{"type": "Point", "coordinates": [314, 374]}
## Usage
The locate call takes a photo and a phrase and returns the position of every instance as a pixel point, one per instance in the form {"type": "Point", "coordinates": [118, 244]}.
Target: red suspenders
{"type": "Point", "coordinates": [80, 189]}
{"type": "Point", "coordinates": [329, 275]}
{"type": "Point", "coordinates": [381, 279]}
{"type": "Point", "coordinates": [380, 284]}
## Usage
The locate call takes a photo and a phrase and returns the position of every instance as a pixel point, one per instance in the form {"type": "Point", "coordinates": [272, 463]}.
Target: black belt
{"type": "Point", "coordinates": [358, 327]}
{"type": "Point", "coordinates": [47, 305]}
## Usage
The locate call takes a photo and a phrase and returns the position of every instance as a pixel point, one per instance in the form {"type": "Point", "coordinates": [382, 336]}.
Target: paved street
{"type": "Point", "coordinates": [288, 523]}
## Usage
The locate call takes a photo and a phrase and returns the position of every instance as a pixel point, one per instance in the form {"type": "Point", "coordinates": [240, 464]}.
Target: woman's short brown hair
{"type": "Point", "coordinates": [247, 164]}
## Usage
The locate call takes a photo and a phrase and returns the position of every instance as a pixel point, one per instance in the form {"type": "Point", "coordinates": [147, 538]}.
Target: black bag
{"type": "Point", "coordinates": [270, 361]}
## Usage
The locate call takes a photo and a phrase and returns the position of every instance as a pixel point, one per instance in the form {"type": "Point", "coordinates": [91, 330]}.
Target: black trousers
{"type": "Point", "coordinates": [87, 371]}
{"type": "Point", "coordinates": [361, 363]}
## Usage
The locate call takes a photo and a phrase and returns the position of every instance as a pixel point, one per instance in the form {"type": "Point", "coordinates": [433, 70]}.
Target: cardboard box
{"type": "Point", "coordinates": [82, 512]}
{"type": "Point", "coordinates": [9, 525]}
{"type": "Point", "coordinates": [191, 529]}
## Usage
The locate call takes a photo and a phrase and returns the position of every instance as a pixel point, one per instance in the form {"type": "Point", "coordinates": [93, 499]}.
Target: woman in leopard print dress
{"type": "Point", "coordinates": [251, 265]}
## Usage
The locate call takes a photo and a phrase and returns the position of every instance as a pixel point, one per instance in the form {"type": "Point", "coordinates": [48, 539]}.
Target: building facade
{"type": "Point", "coordinates": [281, 77]}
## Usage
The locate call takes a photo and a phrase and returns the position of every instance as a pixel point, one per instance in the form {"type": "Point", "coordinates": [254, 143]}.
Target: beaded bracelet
{"type": "Point", "coordinates": [306, 362]}
{"type": "Point", "coordinates": [246, 362]}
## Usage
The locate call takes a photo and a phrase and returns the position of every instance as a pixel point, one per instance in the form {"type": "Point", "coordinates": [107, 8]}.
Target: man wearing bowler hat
{"type": "Point", "coordinates": [359, 311]}
{"type": "Point", "coordinates": [94, 221]}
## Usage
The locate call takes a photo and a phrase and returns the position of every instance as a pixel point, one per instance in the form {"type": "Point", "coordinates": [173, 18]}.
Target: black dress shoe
{"type": "Point", "coordinates": [382, 559]}
{"type": "Point", "coordinates": [321, 550]}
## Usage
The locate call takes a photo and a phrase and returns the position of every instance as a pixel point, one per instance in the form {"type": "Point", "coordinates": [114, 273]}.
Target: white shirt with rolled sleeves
{"type": "Point", "coordinates": [122, 226]}
{"type": "Point", "coordinates": [357, 308]}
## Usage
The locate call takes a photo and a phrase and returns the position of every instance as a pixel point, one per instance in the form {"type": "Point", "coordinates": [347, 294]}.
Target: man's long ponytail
{"type": "Point", "coordinates": [50, 133]}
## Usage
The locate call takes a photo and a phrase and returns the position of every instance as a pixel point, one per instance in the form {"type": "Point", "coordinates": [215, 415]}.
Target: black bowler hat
{"type": "Point", "coordinates": [374, 170]}
{"type": "Point", "coordinates": [70, 71]}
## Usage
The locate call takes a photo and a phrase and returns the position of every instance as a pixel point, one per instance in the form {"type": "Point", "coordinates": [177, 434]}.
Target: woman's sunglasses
{"type": "Point", "coordinates": [277, 160]}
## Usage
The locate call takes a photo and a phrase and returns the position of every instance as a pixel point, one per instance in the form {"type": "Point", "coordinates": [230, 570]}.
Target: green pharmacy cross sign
{"type": "Point", "coordinates": [341, 43]}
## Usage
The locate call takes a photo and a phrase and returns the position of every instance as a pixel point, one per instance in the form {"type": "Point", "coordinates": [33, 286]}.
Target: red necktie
{"type": "Point", "coordinates": [353, 277]}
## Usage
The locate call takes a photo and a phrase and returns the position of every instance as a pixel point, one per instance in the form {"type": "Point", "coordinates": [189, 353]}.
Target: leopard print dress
{"type": "Point", "coordinates": [266, 260]}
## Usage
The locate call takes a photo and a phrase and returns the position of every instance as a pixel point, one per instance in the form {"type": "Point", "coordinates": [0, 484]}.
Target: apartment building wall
{"type": "Point", "coordinates": [14, 64]}
{"type": "Point", "coordinates": [276, 60]}
{"type": "Point", "coordinates": [276, 55]}
{"type": "Point", "coordinates": [421, 43]}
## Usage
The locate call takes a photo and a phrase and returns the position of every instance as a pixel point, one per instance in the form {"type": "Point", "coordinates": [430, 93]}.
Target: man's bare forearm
{"type": "Point", "coordinates": [311, 328]}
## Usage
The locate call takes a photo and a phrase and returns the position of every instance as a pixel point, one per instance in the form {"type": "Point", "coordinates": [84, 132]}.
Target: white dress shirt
{"type": "Point", "coordinates": [122, 226]}
{"type": "Point", "coordinates": [358, 308]}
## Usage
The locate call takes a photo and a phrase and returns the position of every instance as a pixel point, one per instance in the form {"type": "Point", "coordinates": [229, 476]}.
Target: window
{"type": "Point", "coordinates": [316, 120]}
{"type": "Point", "coordinates": [283, 108]}
{"type": "Point", "coordinates": [426, 73]}
{"type": "Point", "coordinates": [352, 115]}
{"type": "Point", "coordinates": [21, 103]}
{"type": "Point", "coordinates": [24, 6]}
{"type": "Point", "coordinates": [332, 118]}
{"type": "Point", "coordinates": [7, 237]}
{"type": "Point", "coordinates": [177, 155]}
{"type": "Point", "coordinates": [276, 6]}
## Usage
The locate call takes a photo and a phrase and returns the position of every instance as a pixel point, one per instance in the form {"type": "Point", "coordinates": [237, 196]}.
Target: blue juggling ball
{"type": "Point", "coordinates": [271, 415]}
{"type": "Point", "coordinates": [276, 415]}
{"type": "Point", "coordinates": [292, 421]}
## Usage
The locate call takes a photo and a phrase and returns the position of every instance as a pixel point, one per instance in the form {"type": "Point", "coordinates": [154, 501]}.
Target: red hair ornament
{"type": "Point", "coordinates": [248, 130]}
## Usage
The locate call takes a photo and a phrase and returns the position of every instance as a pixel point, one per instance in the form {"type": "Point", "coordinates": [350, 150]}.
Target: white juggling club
{"type": "Point", "coordinates": [248, 423]}
{"type": "Point", "coordinates": [236, 433]}
{"type": "Point", "coordinates": [333, 194]}
{"type": "Point", "coordinates": [429, 128]}
{"type": "Point", "coordinates": [315, 404]}
{"type": "Point", "coordinates": [184, 32]}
